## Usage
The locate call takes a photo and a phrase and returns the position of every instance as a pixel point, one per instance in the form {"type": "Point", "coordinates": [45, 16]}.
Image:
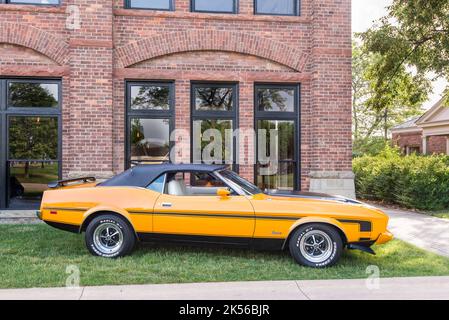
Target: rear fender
{"type": "Point", "coordinates": [113, 210]}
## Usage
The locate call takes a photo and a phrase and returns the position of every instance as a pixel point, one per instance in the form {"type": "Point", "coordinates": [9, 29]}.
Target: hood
{"type": "Point", "coordinates": [311, 195]}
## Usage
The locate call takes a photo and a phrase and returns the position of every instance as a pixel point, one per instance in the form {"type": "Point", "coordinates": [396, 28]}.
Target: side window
{"type": "Point", "coordinates": [158, 184]}
{"type": "Point", "coordinates": [193, 184]}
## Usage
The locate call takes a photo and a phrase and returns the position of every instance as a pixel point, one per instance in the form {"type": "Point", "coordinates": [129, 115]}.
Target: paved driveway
{"type": "Point", "coordinates": [429, 233]}
{"type": "Point", "coordinates": [433, 288]}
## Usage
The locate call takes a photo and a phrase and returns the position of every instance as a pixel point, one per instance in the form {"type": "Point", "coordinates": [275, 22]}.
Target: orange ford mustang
{"type": "Point", "coordinates": [212, 205]}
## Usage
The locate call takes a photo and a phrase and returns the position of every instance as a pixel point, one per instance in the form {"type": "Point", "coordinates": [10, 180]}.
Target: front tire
{"type": "Point", "coordinates": [109, 236]}
{"type": "Point", "coordinates": [316, 245]}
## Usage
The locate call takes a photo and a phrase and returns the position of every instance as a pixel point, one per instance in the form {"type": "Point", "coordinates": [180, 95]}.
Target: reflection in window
{"type": "Point", "coordinates": [33, 138]}
{"type": "Point", "coordinates": [277, 118]}
{"type": "Point", "coordinates": [33, 95]}
{"type": "Point", "coordinates": [211, 98]}
{"type": "Point", "coordinates": [213, 141]}
{"type": "Point", "coordinates": [149, 140]}
{"type": "Point", "coordinates": [283, 179]}
{"type": "Point", "coordinates": [276, 99]}
{"type": "Point", "coordinates": [150, 97]}
{"type": "Point", "coordinates": [285, 137]}
{"type": "Point", "coordinates": [150, 4]}
{"type": "Point", "coordinates": [28, 180]}
{"type": "Point", "coordinates": [281, 7]}
{"type": "Point", "coordinates": [214, 6]}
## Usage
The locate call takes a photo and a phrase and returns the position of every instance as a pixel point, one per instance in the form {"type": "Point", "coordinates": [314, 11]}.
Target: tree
{"type": "Point", "coordinates": [151, 97]}
{"type": "Point", "coordinates": [214, 98]}
{"type": "Point", "coordinates": [34, 138]}
{"type": "Point", "coordinates": [26, 94]}
{"type": "Point", "coordinates": [268, 98]}
{"type": "Point", "coordinates": [413, 34]}
{"type": "Point", "coordinates": [378, 105]}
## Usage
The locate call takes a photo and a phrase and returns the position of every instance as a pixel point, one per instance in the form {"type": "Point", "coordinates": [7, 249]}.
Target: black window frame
{"type": "Point", "coordinates": [127, 5]}
{"type": "Point", "coordinates": [235, 8]}
{"type": "Point", "coordinates": [216, 115]}
{"type": "Point", "coordinates": [32, 4]}
{"type": "Point", "coordinates": [295, 14]}
{"type": "Point", "coordinates": [281, 115]}
{"type": "Point", "coordinates": [147, 114]}
{"type": "Point", "coordinates": [7, 112]}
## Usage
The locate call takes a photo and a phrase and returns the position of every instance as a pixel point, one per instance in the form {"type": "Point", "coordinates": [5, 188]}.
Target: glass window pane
{"type": "Point", "coordinates": [158, 184]}
{"type": "Point", "coordinates": [150, 140]}
{"type": "Point", "coordinates": [276, 6]}
{"type": "Point", "coordinates": [28, 180]}
{"type": "Point", "coordinates": [276, 99]}
{"type": "Point", "coordinates": [212, 141]}
{"type": "Point", "coordinates": [214, 6]}
{"type": "Point", "coordinates": [284, 144]}
{"type": "Point", "coordinates": [33, 138]}
{"type": "Point", "coordinates": [150, 97]}
{"type": "Point", "coordinates": [214, 98]}
{"type": "Point", "coordinates": [281, 179]}
{"type": "Point", "coordinates": [150, 4]}
{"type": "Point", "coordinates": [36, 95]}
{"type": "Point", "coordinates": [34, 1]}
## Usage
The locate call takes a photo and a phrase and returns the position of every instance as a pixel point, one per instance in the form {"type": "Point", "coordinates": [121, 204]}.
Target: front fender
{"type": "Point", "coordinates": [306, 220]}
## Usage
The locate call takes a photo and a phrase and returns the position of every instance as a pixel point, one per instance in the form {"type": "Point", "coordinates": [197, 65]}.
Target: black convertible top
{"type": "Point", "coordinates": [143, 175]}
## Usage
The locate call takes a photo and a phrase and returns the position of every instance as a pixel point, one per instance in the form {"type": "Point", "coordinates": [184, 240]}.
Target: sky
{"type": "Point", "coordinates": [364, 13]}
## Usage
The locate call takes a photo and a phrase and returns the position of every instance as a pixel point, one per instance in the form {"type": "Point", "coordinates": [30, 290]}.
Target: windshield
{"type": "Point", "coordinates": [245, 185]}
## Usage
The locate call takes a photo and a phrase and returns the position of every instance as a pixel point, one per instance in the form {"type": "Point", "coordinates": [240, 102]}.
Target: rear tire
{"type": "Point", "coordinates": [109, 236]}
{"type": "Point", "coordinates": [316, 245]}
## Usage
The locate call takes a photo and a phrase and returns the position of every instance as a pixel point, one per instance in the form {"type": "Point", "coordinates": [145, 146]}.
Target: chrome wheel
{"type": "Point", "coordinates": [316, 246]}
{"type": "Point", "coordinates": [108, 238]}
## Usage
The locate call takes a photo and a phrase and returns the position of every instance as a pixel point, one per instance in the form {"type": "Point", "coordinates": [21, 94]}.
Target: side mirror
{"type": "Point", "coordinates": [223, 192]}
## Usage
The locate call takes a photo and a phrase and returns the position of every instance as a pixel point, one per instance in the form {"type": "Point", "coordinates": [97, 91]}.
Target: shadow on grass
{"type": "Point", "coordinates": [37, 255]}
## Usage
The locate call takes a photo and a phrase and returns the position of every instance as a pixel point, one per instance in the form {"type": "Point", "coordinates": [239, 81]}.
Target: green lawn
{"type": "Point", "coordinates": [37, 174]}
{"type": "Point", "coordinates": [37, 256]}
{"type": "Point", "coordinates": [441, 214]}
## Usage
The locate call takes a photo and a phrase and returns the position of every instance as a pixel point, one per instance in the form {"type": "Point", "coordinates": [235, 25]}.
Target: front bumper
{"type": "Point", "coordinates": [384, 237]}
{"type": "Point", "coordinates": [39, 215]}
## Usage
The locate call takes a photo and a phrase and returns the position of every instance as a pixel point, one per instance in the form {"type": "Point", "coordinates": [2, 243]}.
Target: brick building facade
{"type": "Point", "coordinates": [89, 56]}
{"type": "Point", "coordinates": [427, 134]}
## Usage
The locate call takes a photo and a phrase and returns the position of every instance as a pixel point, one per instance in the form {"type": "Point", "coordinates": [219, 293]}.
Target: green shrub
{"type": "Point", "coordinates": [414, 181]}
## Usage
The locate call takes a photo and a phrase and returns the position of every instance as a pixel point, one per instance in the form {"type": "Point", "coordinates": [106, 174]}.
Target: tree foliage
{"type": "Point", "coordinates": [378, 103]}
{"type": "Point", "coordinates": [413, 34]}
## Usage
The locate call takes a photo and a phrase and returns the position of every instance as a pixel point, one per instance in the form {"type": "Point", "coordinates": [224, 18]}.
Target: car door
{"type": "Point", "coordinates": [196, 211]}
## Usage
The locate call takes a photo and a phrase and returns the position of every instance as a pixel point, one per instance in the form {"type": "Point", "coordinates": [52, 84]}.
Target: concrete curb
{"type": "Point", "coordinates": [427, 288]}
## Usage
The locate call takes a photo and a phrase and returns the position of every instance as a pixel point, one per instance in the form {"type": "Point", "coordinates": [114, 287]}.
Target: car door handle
{"type": "Point", "coordinates": [166, 204]}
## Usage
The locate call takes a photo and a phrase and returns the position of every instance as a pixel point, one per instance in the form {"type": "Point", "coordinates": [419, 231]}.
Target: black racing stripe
{"type": "Point", "coordinates": [365, 226]}
{"type": "Point", "coordinates": [205, 215]}
{"type": "Point", "coordinates": [257, 243]}
{"type": "Point", "coordinates": [66, 209]}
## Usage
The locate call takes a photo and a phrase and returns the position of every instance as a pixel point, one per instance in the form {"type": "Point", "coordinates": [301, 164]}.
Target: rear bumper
{"type": "Point", "coordinates": [384, 237]}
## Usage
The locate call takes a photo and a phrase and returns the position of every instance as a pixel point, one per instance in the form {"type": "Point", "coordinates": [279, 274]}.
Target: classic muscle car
{"type": "Point", "coordinates": [213, 205]}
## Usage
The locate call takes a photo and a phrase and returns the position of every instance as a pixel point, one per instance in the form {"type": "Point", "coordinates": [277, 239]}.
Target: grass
{"type": "Point", "coordinates": [37, 256]}
{"type": "Point", "coordinates": [444, 214]}
{"type": "Point", "coordinates": [37, 174]}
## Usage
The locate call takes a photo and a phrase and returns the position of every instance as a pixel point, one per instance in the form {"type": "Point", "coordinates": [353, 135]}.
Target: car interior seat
{"type": "Point", "coordinates": [177, 188]}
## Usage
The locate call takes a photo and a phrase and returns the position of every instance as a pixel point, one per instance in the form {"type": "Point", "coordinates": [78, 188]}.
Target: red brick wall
{"type": "Point", "coordinates": [403, 140]}
{"type": "Point", "coordinates": [435, 144]}
{"type": "Point", "coordinates": [115, 44]}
